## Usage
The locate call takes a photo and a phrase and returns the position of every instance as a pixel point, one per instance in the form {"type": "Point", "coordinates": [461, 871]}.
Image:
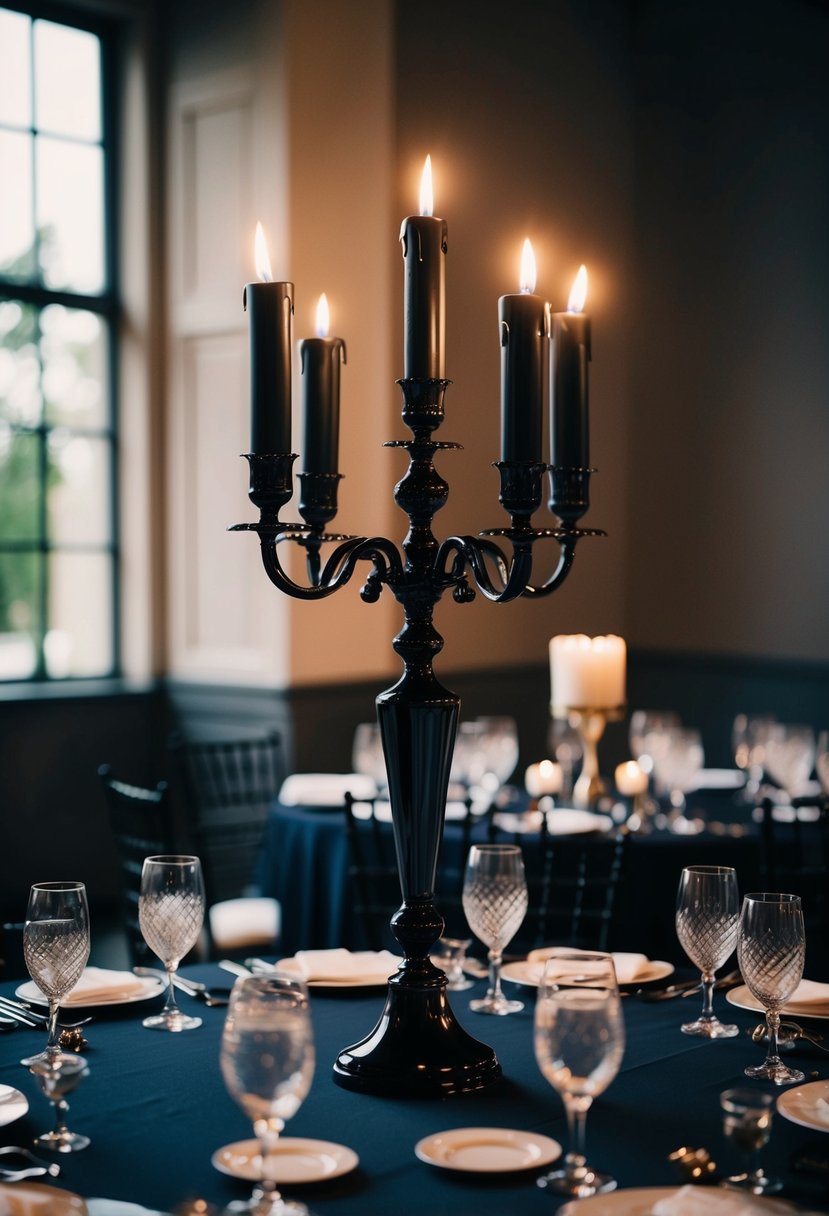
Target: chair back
{"type": "Point", "coordinates": [229, 788]}
{"type": "Point", "coordinates": [579, 880]}
{"type": "Point", "coordinates": [794, 857]}
{"type": "Point", "coordinates": [142, 827]}
{"type": "Point", "coordinates": [372, 872]}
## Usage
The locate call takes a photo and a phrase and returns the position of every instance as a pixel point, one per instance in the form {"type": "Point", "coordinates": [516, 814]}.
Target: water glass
{"type": "Point", "coordinates": [267, 1061]}
{"type": "Point", "coordinates": [171, 915]}
{"type": "Point", "coordinates": [56, 948]}
{"type": "Point", "coordinates": [450, 954]}
{"type": "Point", "coordinates": [678, 756]}
{"type": "Point", "coordinates": [747, 1118]}
{"type": "Point", "coordinates": [495, 904]}
{"type": "Point", "coordinates": [579, 1044]}
{"type": "Point", "coordinates": [707, 922]}
{"type": "Point", "coordinates": [771, 948]}
{"type": "Point", "coordinates": [58, 1076]}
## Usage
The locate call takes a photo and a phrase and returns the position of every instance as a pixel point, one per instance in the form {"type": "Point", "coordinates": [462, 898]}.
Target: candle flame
{"type": "Point", "coordinates": [427, 201]}
{"type": "Point", "coordinates": [528, 271]}
{"type": "Point", "coordinates": [578, 292]}
{"type": "Point", "coordinates": [323, 319]}
{"type": "Point", "coordinates": [263, 262]}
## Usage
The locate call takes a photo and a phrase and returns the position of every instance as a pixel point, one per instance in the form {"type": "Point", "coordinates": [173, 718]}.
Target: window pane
{"type": "Point", "coordinates": [15, 69]}
{"type": "Point", "coordinates": [19, 367]}
{"type": "Point", "coordinates": [79, 499]}
{"type": "Point", "coordinates": [20, 583]}
{"type": "Point", "coordinates": [67, 81]}
{"type": "Point", "coordinates": [19, 485]}
{"type": "Point", "coordinates": [73, 350]}
{"type": "Point", "coordinates": [17, 232]}
{"type": "Point", "coordinates": [70, 218]}
{"type": "Point", "coordinates": [78, 640]}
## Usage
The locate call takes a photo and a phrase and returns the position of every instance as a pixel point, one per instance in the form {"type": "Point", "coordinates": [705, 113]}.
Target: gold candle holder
{"type": "Point", "coordinates": [590, 723]}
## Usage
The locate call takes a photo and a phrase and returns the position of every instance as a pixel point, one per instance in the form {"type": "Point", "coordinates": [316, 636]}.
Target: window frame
{"type": "Point", "coordinates": [108, 306]}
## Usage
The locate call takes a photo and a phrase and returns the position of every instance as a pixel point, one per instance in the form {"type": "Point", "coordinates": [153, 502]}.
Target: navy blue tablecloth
{"type": "Point", "coordinates": [156, 1109]}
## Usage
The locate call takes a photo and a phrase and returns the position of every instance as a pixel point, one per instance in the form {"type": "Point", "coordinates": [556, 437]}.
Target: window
{"type": "Point", "coordinates": [58, 556]}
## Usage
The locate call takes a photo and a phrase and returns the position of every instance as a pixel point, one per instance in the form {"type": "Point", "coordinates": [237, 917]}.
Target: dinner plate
{"type": "Point", "coordinates": [800, 1105]}
{"type": "Point", "coordinates": [487, 1150]}
{"type": "Point", "coordinates": [13, 1105]}
{"type": "Point", "coordinates": [742, 998]}
{"type": "Point", "coordinates": [150, 987]}
{"type": "Point", "coordinates": [719, 779]}
{"type": "Point", "coordinates": [35, 1199]}
{"type": "Point", "coordinates": [561, 821]}
{"type": "Point", "coordinates": [640, 1200]}
{"type": "Point", "coordinates": [529, 972]}
{"type": "Point", "coordinates": [297, 1160]}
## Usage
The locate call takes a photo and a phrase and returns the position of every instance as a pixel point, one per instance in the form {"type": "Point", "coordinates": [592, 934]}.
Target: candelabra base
{"type": "Point", "coordinates": [417, 1049]}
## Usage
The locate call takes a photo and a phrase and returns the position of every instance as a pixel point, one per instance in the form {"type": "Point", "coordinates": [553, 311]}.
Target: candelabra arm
{"type": "Point", "coordinates": [339, 567]}
{"type": "Point", "coordinates": [565, 563]}
{"type": "Point", "coordinates": [472, 551]}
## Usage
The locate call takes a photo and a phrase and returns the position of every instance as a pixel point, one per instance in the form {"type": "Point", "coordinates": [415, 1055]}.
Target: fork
{"type": "Point", "coordinates": [31, 1017]}
{"type": "Point", "coordinates": [36, 1168]}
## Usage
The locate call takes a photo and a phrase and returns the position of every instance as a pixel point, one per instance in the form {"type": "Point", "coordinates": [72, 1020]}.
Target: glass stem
{"type": "Point", "coordinates": [61, 1111]}
{"type": "Point", "coordinates": [707, 1014]}
{"type": "Point", "coordinates": [773, 1027]}
{"type": "Point", "coordinates": [53, 1044]}
{"type": "Point", "coordinates": [170, 1006]}
{"type": "Point", "coordinates": [267, 1132]}
{"type": "Point", "coordinates": [495, 959]}
{"type": "Point", "coordinates": [576, 1109]}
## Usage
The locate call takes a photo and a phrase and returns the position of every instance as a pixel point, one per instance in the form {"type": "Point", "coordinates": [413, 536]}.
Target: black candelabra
{"type": "Point", "coordinates": [417, 1046]}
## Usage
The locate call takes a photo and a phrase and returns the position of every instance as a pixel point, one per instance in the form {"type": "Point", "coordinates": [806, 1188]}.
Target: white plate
{"type": "Point", "coordinates": [487, 1150]}
{"type": "Point", "coordinates": [639, 1201]}
{"type": "Point", "coordinates": [531, 971]}
{"type": "Point", "coordinates": [800, 1105]}
{"type": "Point", "coordinates": [13, 1105]}
{"type": "Point", "coordinates": [297, 1160]}
{"type": "Point", "coordinates": [150, 987]}
{"type": "Point", "coordinates": [742, 998]}
{"type": "Point", "coordinates": [719, 779]}
{"type": "Point", "coordinates": [561, 821]}
{"type": "Point", "coordinates": [35, 1199]}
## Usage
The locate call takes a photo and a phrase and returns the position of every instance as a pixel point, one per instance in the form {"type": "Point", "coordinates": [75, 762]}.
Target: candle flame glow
{"type": "Point", "coordinates": [427, 200]}
{"type": "Point", "coordinates": [578, 292]}
{"type": "Point", "coordinates": [263, 262]}
{"type": "Point", "coordinates": [528, 272]}
{"type": "Point", "coordinates": [323, 319]}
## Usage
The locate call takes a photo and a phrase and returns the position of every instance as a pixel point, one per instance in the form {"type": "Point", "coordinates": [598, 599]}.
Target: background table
{"type": "Point", "coordinates": [156, 1109]}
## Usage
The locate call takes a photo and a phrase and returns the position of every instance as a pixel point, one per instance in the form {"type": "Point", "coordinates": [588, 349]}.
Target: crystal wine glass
{"type": "Point", "coordinates": [58, 1076]}
{"type": "Point", "coordinates": [747, 1117]}
{"type": "Point", "coordinates": [267, 1060]}
{"type": "Point", "coordinates": [495, 904]}
{"type": "Point", "coordinates": [171, 914]}
{"type": "Point", "coordinates": [645, 722]}
{"type": "Point", "coordinates": [56, 948]}
{"type": "Point", "coordinates": [678, 756]}
{"type": "Point", "coordinates": [771, 949]}
{"type": "Point", "coordinates": [707, 921]}
{"type": "Point", "coordinates": [579, 1044]}
{"type": "Point", "coordinates": [790, 756]}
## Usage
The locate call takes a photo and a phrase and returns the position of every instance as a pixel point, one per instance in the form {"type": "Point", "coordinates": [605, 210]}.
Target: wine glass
{"type": "Point", "coordinates": [58, 1076]}
{"type": "Point", "coordinates": [367, 754]}
{"type": "Point", "coordinates": [450, 954]}
{"type": "Point", "coordinates": [499, 750]}
{"type": "Point", "coordinates": [56, 948]}
{"type": "Point", "coordinates": [267, 1061]}
{"type": "Point", "coordinates": [707, 922]}
{"type": "Point", "coordinates": [171, 914]}
{"type": "Point", "coordinates": [677, 756]}
{"type": "Point", "coordinates": [747, 1117]}
{"type": "Point", "coordinates": [748, 738]}
{"type": "Point", "coordinates": [566, 746]}
{"type": "Point", "coordinates": [495, 904]}
{"type": "Point", "coordinates": [644, 722]}
{"type": "Point", "coordinates": [771, 949]}
{"type": "Point", "coordinates": [790, 756]}
{"type": "Point", "coordinates": [579, 1044]}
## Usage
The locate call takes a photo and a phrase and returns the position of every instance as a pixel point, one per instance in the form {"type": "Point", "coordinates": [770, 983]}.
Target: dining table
{"type": "Point", "coordinates": [156, 1110]}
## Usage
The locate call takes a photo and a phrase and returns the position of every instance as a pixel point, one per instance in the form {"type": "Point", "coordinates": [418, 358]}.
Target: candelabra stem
{"type": "Point", "coordinates": [590, 724]}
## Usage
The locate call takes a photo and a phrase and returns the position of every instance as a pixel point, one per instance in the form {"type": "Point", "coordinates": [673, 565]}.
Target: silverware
{"type": "Point", "coordinates": [36, 1165]}
{"type": "Point", "coordinates": [725, 981]}
{"type": "Point", "coordinates": [212, 997]}
{"type": "Point", "coordinates": [228, 964]}
{"type": "Point", "coordinates": [32, 1017]}
{"type": "Point", "coordinates": [792, 1031]}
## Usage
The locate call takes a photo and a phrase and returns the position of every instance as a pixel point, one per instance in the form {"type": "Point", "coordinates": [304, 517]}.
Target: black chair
{"type": "Point", "coordinates": [372, 870]}
{"type": "Point", "coordinates": [142, 826]}
{"type": "Point", "coordinates": [571, 901]}
{"type": "Point", "coordinates": [229, 787]}
{"type": "Point", "coordinates": [794, 857]}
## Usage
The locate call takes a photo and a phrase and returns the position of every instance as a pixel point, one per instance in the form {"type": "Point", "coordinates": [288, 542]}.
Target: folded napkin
{"type": "Point", "coordinates": [98, 984]}
{"type": "Point", "coordinates": [325, 789]}
{"type": "Point", "coordinates": [339, 966]}
{"type": "Point", "coordinates": [709, 1201]}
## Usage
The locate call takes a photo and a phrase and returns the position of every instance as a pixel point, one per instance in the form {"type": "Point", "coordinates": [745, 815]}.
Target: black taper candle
{"type": "Point", "coordinates": [569, 396]}
{"type": "Point", "coordinates": [321, 359]}
{"type": "Point", "coordinates": [523, 323]}
{"type": "Point", "coordinates": [425, 240]}
{"type": "Point", "coordinates": [269, 307]}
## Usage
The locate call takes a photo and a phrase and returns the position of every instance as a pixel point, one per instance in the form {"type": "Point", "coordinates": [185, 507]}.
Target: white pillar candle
{"type": "Point", "coordinates": [631, 779]}
{"type": "Point", "coordinates": [543, 778]}
{"type": "Point", "coordinates": [587, 673]}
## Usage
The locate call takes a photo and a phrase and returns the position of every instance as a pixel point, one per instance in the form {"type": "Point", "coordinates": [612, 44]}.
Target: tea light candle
{"type": "Point", "coordinates": [587, 673]}
{"type": "Point", "coordinates": [543, 778]}
{"type": "Point", "coordinates": [631, 779]}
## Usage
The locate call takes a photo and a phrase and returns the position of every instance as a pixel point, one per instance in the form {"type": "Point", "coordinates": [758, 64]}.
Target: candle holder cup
{"type": "Point", "coordinates": [417, 1046]}
{"type": "Point", "coordinates": [590, 722]}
